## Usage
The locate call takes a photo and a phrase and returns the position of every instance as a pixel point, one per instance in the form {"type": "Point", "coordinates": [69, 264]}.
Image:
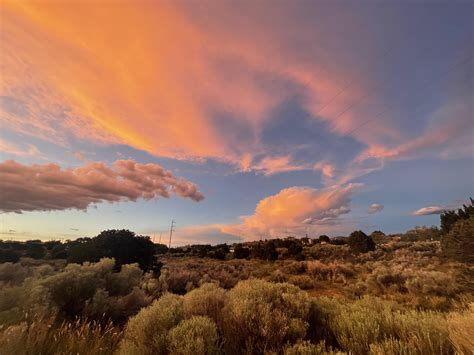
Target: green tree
{"type": "Point", "coordinates": [458, 244]}
{"type": "Point", "coordinates": [360, 242]}
{"type": "Point", "coordinates": [122, 245]}
{"type": "Point", "coordinates": [449, 218]}
{"type": "Point", "coordinates": [241, 252]}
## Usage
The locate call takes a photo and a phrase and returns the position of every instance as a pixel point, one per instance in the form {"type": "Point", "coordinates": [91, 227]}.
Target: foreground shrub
{"type": "Point", "coordinates": [147, 332]}
{"type": "Point", "coordinates": [307, 348]}
{"type": "Point", "coordinates": [392, 347]}
{"type": "Point", "coordinates": [261, 316]}
{"type": "Point", "coordinates": [197, 335]}
{"type": "Point", "coordinates": [207, 300]}
{"type": "Point", "coordinates": [359, 325]}
{"type": "Point", "coordinates": [44, 337]}
{"type": "Point", "coordinates": [460, 330]}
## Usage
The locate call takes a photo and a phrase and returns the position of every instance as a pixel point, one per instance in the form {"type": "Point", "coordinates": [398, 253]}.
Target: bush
{"type": "Point", "coordinates": [460, 330]}
{"type": "Point", "coordinates": [261, 316]}
{"type": "Point", "coordinates": [197, 335]}
{"type": "Point", "coordinates": [360, 242]}
{"type": "Point", "coordinates": [207, 300]}
{"type": "Point", "coordinates": [147, 332]}
{"type": "Point", "coordinates": [359, 325]}
{"type": "Point", "coordinates": [307, 348]}
{"type": "Point", "coordinates": [43, 336]}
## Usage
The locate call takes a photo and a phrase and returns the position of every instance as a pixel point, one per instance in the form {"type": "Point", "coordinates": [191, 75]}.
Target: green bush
{"type": "Point", "coordinates": [360, 324]}
{"type": "Point", "coordinates": [261, 316]}
{"type": "Point", "coordinates": [197, 335]}
{"type": "Point", "coordinates": [207, 300]}
{"type": "Point", "coordinates": [147, 332]}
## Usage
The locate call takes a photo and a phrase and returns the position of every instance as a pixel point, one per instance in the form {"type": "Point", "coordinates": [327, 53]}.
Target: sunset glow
{"type": "Point", "coordinates": [240, 120]}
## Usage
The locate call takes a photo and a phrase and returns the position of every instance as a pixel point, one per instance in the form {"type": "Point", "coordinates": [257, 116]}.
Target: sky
{"type": "Point", "coordinates": [240, 120]}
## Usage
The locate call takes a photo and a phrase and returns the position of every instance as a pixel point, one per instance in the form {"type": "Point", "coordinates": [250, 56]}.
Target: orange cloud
{"type": "Point", "coordinates": [162, 77]}
{"type": "Point", "coordinates": [47, 187]}
{"type": "Point", "coordinates": [275, 165]}
{"type": "Point", "coordinates": [296, 210]}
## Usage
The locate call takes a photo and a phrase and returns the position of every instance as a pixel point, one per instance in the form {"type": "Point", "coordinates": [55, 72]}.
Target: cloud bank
{"type": "Point", "coordinates": [295, 211]}
{"type": "Point", "coordinates": [48, 187]}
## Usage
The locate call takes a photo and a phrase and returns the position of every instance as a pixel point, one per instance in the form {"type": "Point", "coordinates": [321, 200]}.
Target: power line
{"type": "Point", "coordinates": [452, 67]}
{"type": "Point", "coordinates": [171, 232]}
{"type": "Point", "coordinates": [351, 82]}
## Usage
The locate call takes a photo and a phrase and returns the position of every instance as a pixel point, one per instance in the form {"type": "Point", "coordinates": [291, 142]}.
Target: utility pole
{"type": "Point", "coordinates": [171, 232]}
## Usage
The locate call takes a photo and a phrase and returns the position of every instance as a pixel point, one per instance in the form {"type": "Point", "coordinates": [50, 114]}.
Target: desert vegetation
{"type": "Point", "coordinates": [118, 293]}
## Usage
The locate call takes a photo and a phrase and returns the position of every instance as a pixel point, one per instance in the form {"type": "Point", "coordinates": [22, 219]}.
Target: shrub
{"type": "Point", "coordinates": [147, 332]}
{"type": "Point", "coordinates": [262, 316]}
{"type": "Point", "coordinates": [359, 325]}
{"type": "Point", "coordinates": [94, 290]}
{"type": "Point", "coordinates": [43, 336]}
{"type": "Point", "coordinates": [179, 281]}
{"type": "Point", "coordinates": [307, 348]}
{"type": "Point", "coordinates": [392, 347]}
{"type": "Point", "coordinates": [304, 282]}
{"type": "Point", "coordinates": [197, 335]}
{"type": "Point", "coordinates": [207, 300]}
{"type": "Point", "coordinates": [360, 242]}
{"type": "Point", "coordinates": [460, 330]}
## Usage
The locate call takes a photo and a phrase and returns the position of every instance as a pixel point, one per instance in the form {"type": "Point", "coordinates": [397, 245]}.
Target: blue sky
{"type": "Point", "coordinates": [268, 120]}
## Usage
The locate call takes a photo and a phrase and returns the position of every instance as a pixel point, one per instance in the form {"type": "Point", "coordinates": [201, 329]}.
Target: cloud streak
{"type": "Point", "coordinates": [48, 187]}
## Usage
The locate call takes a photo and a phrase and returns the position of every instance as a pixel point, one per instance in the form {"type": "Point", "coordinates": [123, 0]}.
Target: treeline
{"type": "Point", "coordinates": [124, 246]}
{"type": "Point", "coordinates": [456, 235]}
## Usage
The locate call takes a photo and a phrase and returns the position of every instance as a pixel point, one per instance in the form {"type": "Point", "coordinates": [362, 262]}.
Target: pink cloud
{"type": "Point", "coordinates": [14, 149]}
{"type": "Point", "coordinates": [48, 187]}
{"type": "Point", "coordinates": [275, 165]}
